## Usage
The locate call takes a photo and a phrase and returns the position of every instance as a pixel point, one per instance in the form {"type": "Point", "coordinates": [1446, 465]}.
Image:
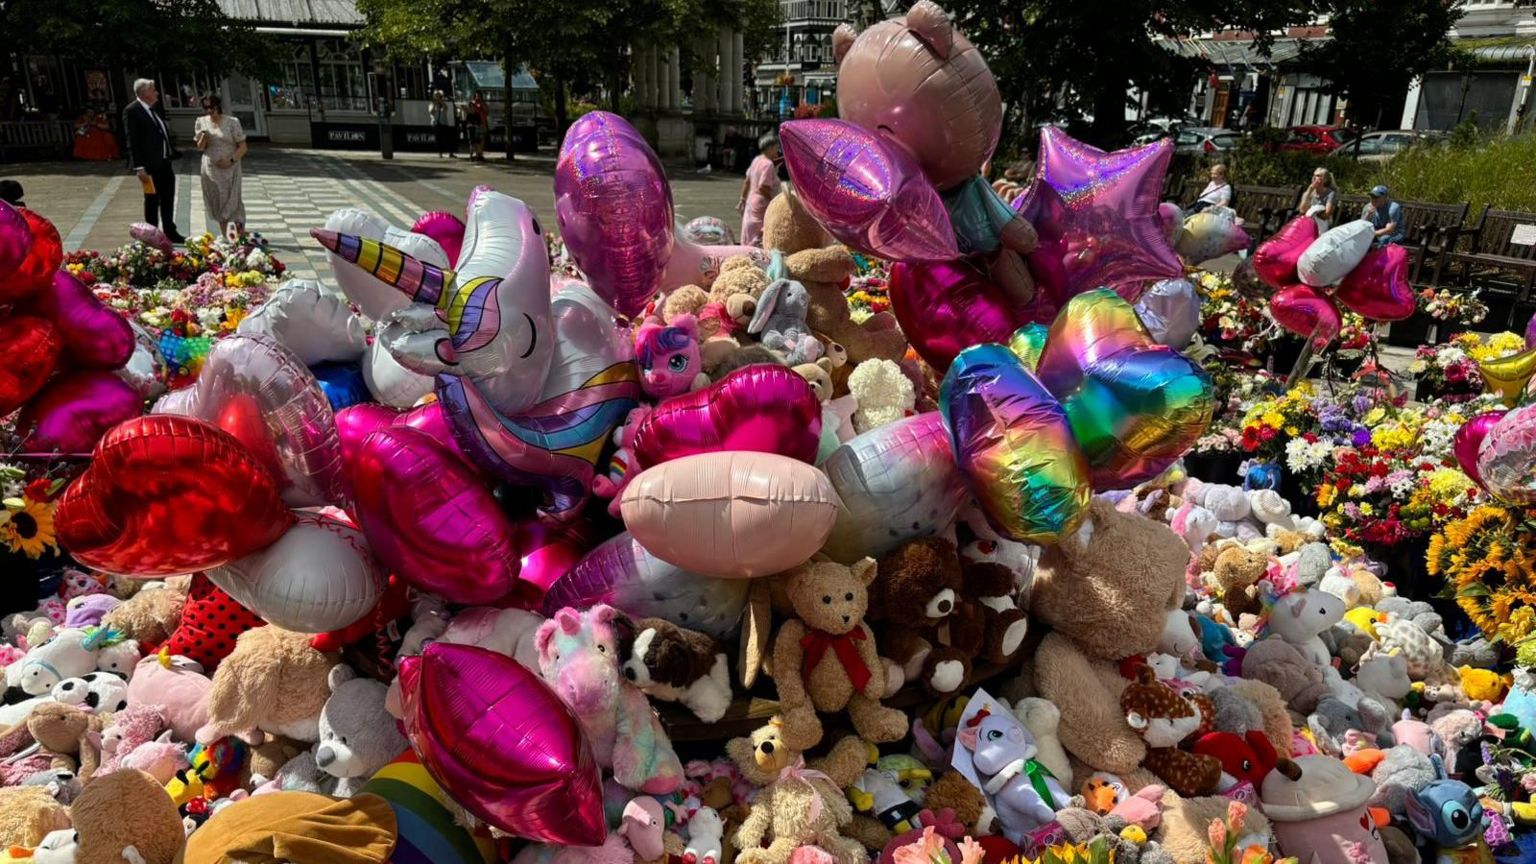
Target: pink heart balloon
{"type": "Point", "coordinates": [1303, 311]}
{"type": "Point", "coordinates": [446, 228]}
{"type": "Point", "coordinates": [75, 410]}
{"type": "Point", "coordinates": [256, 390]}
{"type": "Point", "coordinates": [94, 336]}
{"type": "Point", "coordinates": [355, 423]}
{"type": "Point", "coordinates": [1275, 259]}
{"type": "Point", "coordinates": [1378, 287]}
{"type": "Point", "coordinates": [763, 408]}
{"type": "Point", "coordinates": [431, 520]}
{"type": "Point", "coordinates": [502, 743]}
{"type": "Point", "coordinates": [945, 307]}
{"type": "Point", "coordinates": [867, 190]}
{"type": "Point", "coordinates": [1469, 441]}
{"type": "Point", "coordinates": [1506, 461]}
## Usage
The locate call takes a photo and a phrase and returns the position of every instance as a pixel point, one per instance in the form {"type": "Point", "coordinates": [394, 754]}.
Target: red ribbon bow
{"type": "Point", "coordinates": [816, 644]}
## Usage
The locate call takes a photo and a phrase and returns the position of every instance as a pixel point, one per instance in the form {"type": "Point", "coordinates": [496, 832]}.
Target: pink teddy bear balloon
{"type": "Point", "coordinates": [668, 356]}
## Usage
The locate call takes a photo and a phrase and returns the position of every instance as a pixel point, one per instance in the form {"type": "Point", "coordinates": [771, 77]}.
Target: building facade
{"type": "Point", "coordinates": [1494, 90]}
{"type": "Point", "coordinates": [800, 68]}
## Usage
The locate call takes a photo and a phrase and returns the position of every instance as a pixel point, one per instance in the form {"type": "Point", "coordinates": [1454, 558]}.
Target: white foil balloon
{"type": "Point", "coordinates": [318, 577]}
{"type": "Point", "coordinates": [145, 369]}
{"type": "Point", "coordinates": [389, 382]}
{"type": "Point", "coordinates": [312, 321]}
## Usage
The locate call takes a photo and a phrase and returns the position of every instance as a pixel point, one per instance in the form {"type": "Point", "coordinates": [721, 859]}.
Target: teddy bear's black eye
{"type": "Point", "coordinates": [827, 599]}
{"type": "Point", "coordinates": [343, 740]}
{"type": "Point", "coordinates": [848, 596]}
{"type": "Point", "coordinates": [603, 648]}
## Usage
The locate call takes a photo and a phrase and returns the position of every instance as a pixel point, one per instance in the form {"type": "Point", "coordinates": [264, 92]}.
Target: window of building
{"type": "Point", "coordinates": [411, 81]}
{"type": "Point", "coordinates": [186, 91]}
{"type": "Point", "coordinates": [343, 85]}
{"type": "Point", "coordinates": [294, 85]}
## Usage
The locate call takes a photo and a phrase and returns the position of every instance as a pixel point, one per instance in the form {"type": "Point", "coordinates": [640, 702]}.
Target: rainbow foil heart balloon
{"type": "Point", "coordinates": [1135, 406]}
{"type": "Point", "coordinates": [1012, 441]}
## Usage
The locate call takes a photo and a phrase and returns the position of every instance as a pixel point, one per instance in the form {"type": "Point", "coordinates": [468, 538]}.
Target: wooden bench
{"type": "Point", "coordinates": [1500, 243]}
{"type": "Point", "coordinates": [1426, 229]}
{"type": "Point", "coordinates": [1263, 209]}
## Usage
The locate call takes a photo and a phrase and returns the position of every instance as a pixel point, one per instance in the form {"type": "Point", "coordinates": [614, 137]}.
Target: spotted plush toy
{"type": "Point", "coordinates": [210, 622]}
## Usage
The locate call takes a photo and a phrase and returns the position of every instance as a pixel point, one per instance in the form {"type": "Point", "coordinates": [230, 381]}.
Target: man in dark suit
{"type": "Point", "coordinates": [150, 155]}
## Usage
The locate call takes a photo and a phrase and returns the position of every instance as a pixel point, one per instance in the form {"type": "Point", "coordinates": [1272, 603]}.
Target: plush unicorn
{"type": "Point", "coordinates": [620, 465]}
{"type": "Point", "coordinates": [1023, 793]}
{"type": "Point", "coordinates": [668, 356]}
{"type": "Point", "coordinates": [578, 656]}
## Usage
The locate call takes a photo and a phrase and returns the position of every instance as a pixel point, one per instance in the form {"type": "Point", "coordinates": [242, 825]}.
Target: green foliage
{"type": "Point", "coordinates": [1499, 171]}
{"type": "Point", "coordinates": [1466, 133]}
{"type": "Point", "coordinates": [141, 36]}
{"type": "Point", "coordinates": [1379, 46]}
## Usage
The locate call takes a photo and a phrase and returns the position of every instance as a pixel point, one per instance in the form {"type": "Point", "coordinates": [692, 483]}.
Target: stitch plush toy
{"type": "Point", "coordinates": [1164, 718]}
{"type": "Point", "coordinates": [668, 357]}
{"type": "Point", "coordinates": [1022, 791]}
{"type": "Point", "coordinates": [579, 657]}
{"type": "Point", "coordinates": [1449, 818]}
{"type": "Point", "coordinates": [825, 659]}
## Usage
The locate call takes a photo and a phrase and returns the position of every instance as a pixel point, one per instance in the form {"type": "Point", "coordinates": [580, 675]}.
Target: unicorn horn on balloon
{"type": "Point", "coordinates": [489, 318]}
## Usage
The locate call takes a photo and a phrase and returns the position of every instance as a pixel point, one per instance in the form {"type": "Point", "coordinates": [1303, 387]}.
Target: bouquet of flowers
{"type": "Point", "coordinates": [1447, 371]}
{"type": "Point", "coordinates": [1355, 336]}
{"type": "Point", "coordinates": [26, 514]}
{"type": "Point", "coordinates": [1487, 561]}
{"type": "Point", "coordinates": [867, 296]}
{"type": "Point", "coordinates": [1269, 424]}
{"type": "Point", "coordinates": [1229, 317]}
{"type": "Point", "coordinates": [1224, 836]}
{"type": "Point", "coordinates": [1095, 851]}
{"type": "Point", "coordinates": [1452, 307]}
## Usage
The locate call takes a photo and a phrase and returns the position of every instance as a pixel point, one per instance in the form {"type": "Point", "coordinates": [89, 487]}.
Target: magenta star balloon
{"type": "Point", "coordinates": [867, 190]}
{"type": "Point", "coordinates": [1097, 217]}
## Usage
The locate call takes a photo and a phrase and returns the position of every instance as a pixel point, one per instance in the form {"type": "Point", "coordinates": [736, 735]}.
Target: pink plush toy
{"type": "Point", "coordinates": [1143, 808]}
{"type": "Point", "coordinates": [620, 467]}
{"type": "Point", "coordinates": [134, 725]}
{"type": "Point", "coordinates": [176, 683]}
{"type": "Point", "coordinates": [578, 656]}
{"type": "Point", "coordinates": [668, 356]}
{"type": "Point", "coordinates": [1318, 810]}
{"type": "Point", "coordinates": [644, 826]}
{"type": "Point", "coordinates": [160, 759]}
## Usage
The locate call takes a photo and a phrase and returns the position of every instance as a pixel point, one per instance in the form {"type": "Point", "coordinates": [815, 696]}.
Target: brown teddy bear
{"type": "Point", "coordinates": [150, 616]}
{"type": "Point", "coordinates": [814, 259]}
{"type": "Point", "coordinates": [274, 682]}
{"type": "Point", "coordinates": [1235, 578]}
{"type": "Point", "coordinates": [27, 814]}
{"type": "Point", "coordinates": [826, 658]}
{"type": "Point", "coordinates": [1164, 718]}
{"type": "Point", "coordinates": [794, 807]}
{"type": "Point", "coordinates": [819, 376]}
{"type": "Point", "coordinates": [930, 628]}
{"type": "Point", "coordinates": [955, 793]}
{"type": "Point", "coordinates": [1105, 591]}
{"type": "Point", "coordinates": [126, 816]}
{"type": "Point", "coordinates": [737, 289]}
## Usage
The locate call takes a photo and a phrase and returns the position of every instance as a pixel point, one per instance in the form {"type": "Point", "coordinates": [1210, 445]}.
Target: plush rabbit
{"type": "Point", "coordinates": [780, 322]}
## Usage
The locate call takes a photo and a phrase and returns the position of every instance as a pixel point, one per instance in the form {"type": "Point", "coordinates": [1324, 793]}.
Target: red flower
{"type": "Point", "coordinates": [37, 490]}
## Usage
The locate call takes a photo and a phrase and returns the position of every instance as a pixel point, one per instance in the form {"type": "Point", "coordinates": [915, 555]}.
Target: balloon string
{"type": "Point", "coordinates": [381, 640]}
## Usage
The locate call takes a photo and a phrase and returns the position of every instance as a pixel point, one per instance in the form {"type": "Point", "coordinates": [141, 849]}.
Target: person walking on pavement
{"type": "Point", "coordinates": [444, 120]}
{"type": "Point", "coordinates": [476, 122]}
{"type": "Point", "coordinates": [151, 156]}
{"type": "Point", "coordinates": [222, 140]}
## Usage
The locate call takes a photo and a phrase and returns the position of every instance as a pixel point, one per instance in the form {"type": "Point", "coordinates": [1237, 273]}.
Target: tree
{"type": "Point", "coordinates": [1378, 47]}
{"type": "Point", "coordinates": [138, 36]}
{"type": "Point", "coordinates": [1072, 60]}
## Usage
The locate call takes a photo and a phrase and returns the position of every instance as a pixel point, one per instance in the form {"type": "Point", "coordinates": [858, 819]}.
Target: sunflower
{"type": "Point", "coordinates": [29, 528]}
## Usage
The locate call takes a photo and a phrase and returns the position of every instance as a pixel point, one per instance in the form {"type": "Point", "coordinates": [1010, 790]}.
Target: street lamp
{"type": "Point", "coordinates": [383, 106]}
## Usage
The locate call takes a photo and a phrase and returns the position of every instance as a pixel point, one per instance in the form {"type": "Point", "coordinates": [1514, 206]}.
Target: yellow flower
{"type": "Point", "coordinates": [29, 528]}
{"type": "Point", "coordinates": [1375, 415]}
{"type": "Point", "coordinates": [1326, 494]}
{"type": "Point", "coordinates": [1366, 509]}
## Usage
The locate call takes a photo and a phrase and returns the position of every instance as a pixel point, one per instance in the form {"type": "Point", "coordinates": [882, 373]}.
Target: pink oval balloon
{"type": "Point", "coordinates": [1378, 287]}
{"type": "Point", "coordinates": [15, 239]}
{"type": "Point", "coordinates": [1506, 462]}
{"type": "Point", "coordinates": [431, 520]}
{"type": "Point", "coordinates": [446, 228]}
{"type": "Point", "coordinates": [258, 391]}
{"type": "Point", "coordinates": [1172, 218]}
{"type": "Point", "coordinates": [75, 410]}
{"type": "Point", "coordinates": [1307, 313]}
{"type": "Point", "coordinates": [501, 742]}
{"type": "Point", "coordinates": [150, 235]}
{"type": "Point", "coordinates": [94, 336]}
{"type": "Point", "coordinates": [1469, 440]}
{"type": "Point", "coordinates": [764, 409]}
{"type": "Point", "coordinates": [945, 307]}
{"type": "Point", "coordinates": [1275, 259]}
{"type": "Point", "coordinates": [867, 190]}
{"type": "Point", "coordinates": [693, 264]}
{"type": "Point", "coordinates": [614, 208]}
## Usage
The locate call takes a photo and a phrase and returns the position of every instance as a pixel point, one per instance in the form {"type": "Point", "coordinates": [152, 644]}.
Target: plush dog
{"type": "Point", "coordinates": [673, 664]}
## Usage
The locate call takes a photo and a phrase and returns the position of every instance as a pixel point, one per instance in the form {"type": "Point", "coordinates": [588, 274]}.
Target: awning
{"type": "Point", "coordinates": [303, 31]}
{"type": "Point", "coordinates": [1235, 52]}
{"type": "Point", "coordinates": [487, 75]}
{"type": "Point", "coordinates": [1505, 53]}
{"type": "Point", "coordinates": [298, 13]}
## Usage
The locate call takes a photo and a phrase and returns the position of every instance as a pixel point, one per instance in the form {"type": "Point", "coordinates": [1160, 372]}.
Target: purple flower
{"type": "Point", "coordinates": [1361, 403]}
{"type": "Point", "coordinates": [1361, 437]}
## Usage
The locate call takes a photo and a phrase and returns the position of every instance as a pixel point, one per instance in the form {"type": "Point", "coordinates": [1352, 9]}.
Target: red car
{"type": "Point", "coordinates": [1321, 140]}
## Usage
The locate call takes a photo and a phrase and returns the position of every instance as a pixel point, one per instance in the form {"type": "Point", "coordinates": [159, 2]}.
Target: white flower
{"type": "Point", "coordinates": [257, 260]}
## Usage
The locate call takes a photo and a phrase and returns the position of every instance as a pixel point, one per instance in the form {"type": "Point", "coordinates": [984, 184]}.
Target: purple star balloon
{"type": "Point", "coordinates": [867, 190]}
{"type": "Point", "coordinates": [1096, 214]}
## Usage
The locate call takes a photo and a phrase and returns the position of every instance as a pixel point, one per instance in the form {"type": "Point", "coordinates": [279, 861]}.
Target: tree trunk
{"type": "Point", "coordinates": [562, 116]}
{"type": "Point", "coordinates": [1108, 129]}
{"type": "Point", "coordinates": [506, 99]}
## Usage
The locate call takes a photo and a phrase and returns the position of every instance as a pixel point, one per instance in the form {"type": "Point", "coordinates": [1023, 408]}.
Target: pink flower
{"type": "Point", "coordinates": [1236, 812]}
{"type": "Point", "coordinates": [1217, 834]}
{"type": "Point", "coordinates": [970, 851]}
{"type": "Point", "coordinates": [921, 852]}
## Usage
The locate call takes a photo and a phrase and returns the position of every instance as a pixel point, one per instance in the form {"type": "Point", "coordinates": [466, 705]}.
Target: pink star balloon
{"type": "Point", "coordinates": [1097, 217]}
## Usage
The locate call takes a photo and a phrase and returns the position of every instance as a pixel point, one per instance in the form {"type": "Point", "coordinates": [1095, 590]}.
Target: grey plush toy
{"type": "Point", "coordinates": [1312, 562]}
{"type": "Point", "coordinates": [1403, 770]}
{"type": "Point", "coordinates": [780, 322]}
{"type": "Point", "coordinates": [1234, 713]}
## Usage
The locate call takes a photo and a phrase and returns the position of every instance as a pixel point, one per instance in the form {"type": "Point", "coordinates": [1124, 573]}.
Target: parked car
{"type": "Point", "coordinates": [1151, 129]}
{"type": "Point", "coordinates": [1316, 139]}
{"type": "Point", "coordinates": [1205, 139]}
{"type": "Point", "coordinates": [1381, 146]}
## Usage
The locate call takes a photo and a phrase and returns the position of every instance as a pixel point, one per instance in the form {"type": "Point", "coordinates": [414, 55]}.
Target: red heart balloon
{"type": "Point", "coordinates": [31, 347]}
{"type": "Point", "coordinates": [1378, 287]}
{"type": "Point", "coordinates": [167, 495]}
{"type": "Point", "coordinates": [15, 239]}
{"type": "Point", "coordinates": [94, 336]}
{"type": "Point", "coordinates": [430, 519]}
{"type": "Point", "coordinates": [945, 307]}
{"type": "Point", "coordinates": [1305, 312]}
{"type": "Point", "coordinates": [34, 271]}
{"type": "Point", "coordinates": [764, 408]}
{"type": "Point", "coordinates": [1275, 259]}
{"type": "Point", "coordinates": [75, 410]}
